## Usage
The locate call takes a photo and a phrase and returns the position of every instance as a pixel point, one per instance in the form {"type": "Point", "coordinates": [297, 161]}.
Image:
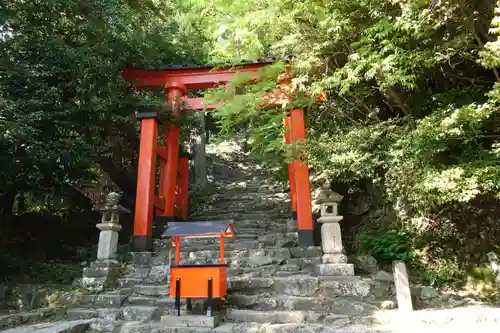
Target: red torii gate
{"type": "Point", "coordinates": [176, 81]}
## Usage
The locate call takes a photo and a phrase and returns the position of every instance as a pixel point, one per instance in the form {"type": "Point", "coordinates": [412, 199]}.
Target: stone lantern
{"type": "Point", "coordinates": [333, 261]}
{"type": "Point", "coordinates": [103, 271]}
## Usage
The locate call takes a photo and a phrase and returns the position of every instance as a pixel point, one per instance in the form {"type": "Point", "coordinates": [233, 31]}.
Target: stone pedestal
{"type": "Point", "coordinates": [342, 269]}
{"type": "Point", "coordinates": [193, 321]}
{"type": "Point", "coordinates": [103, 272]}
{"type": "Point", "coordinates": [403, 292]}
{"type": "Point", "coordinates": [108, 241]}
{"type": "Point", "coordinates": [100, 275]}
{"type": "Point", "coordinates": [333, 261]}
{"type": "Point", "coordinates": [338, 258]}
{"type": "Point", "coordinates": [331, 237]}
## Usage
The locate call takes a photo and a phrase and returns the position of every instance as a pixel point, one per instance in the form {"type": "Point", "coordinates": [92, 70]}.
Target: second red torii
{"type": "Point", "coordinates": [176, 82]}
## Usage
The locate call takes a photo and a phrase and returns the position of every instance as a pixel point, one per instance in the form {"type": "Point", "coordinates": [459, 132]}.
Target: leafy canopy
{"type": "Point", "coordinates": [412, 91]}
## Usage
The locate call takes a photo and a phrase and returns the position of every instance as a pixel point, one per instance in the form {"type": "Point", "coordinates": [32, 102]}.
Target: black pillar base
{"type": "Point", "coordinates": [306, 237]}
{"type": "Point", "coordinates": [142, 244]}
{"type": "Point", "coordinates": [294, 216]}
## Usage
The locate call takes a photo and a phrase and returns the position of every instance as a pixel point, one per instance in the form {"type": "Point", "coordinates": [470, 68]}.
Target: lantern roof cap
{"type": "Point", "coordinates": [111, 204]}
{"type": "Point", "coordinates": [327, 195]}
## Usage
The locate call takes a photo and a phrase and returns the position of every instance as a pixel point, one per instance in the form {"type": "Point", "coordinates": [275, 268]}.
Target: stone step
{"type": "Point", "coordinates": [281, 253]}
{"type": "Point", "coordinates": [248, 196]}
{"type": "Point", "coordinates": [259, 265]}
{"type": "Point", "coordinates": [298, 317]}
{"type": "Point", "coordinates": [263, 242]}
{"type": "Point", "coordinates": [92, 301]}
{"type": "Point", "coordinates": [337, 326]}
{"type": "Point", "coordinates": [264, 270]}
{"type": "Point", "coordinates": [256, 227]}
{"type": "Point", "coordinates": [277, 255]}
{"type": "Point", "coordinates": [253, 327]}
{"type": "Point", "coordinates": [52, 327]}
{"type": "Point", "coordinates": [162, 302]}
{"type": "Point", "coordinates": [336, 305]}
{"type": "Point", "coordinates": [161, 244]}
{"type": "Point", "coordinates": [302, 285]}
{"type": "Point", "coordinates": [297, 328]}
{"type": "Point", "coordinates": [126, 313]}
{"type": "Point", "coordinates": [152, 290]}
{"type": "Point", "coordinates": [156, 327]}
{"type": "Point", "coordinates": [303, 263]}
{"type": "Point", "coordinates": [266, 239]}
{"type": "Point", "coordinates": [242, 206]}
{"type": "Point", "coordinates": [235, 246]}
{"type": "Point", "coordinates": [257, 261]}
{"type": "Point", "coordinates": [165, 304]}
{"type": "Point", "coordinates": [249, 272]}
{"type": "Point", "coordinates": [293, 286]}
{"type": "Point", "coordinates": [342, 269]}
{"type": "Point", "coordinates": [253, 187]}
{"type": "Point", "coordinates": [228, 208]}
{"type": "Point", "coordinates": [256, 216]}
{"type": "Point", "coordinates": [297, 284]}
{"type": "Point", "coordinates": [259, 232]}
{"type": "Point", "coordinates": [271, 200]}
{"type": "Point", "coordinates": [158, 273]}
{"type": "Point", "coordinates": [104, 313]}
{"type": "Point", "coordinates": [259, 224]}
{"type": "Point", "coordinates": [141, 313]}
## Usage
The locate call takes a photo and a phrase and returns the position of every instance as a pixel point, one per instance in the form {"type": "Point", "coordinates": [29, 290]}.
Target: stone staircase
{"type": "Point", "coordinates": [272, 285]}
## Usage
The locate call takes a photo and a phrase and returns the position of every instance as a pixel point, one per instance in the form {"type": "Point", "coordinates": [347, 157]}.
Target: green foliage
{"type": "Point", "coordinates": [57, 272]}
{"type": "Point", "coordinates": [67, 117]}
{"type": "Point", "coordinates": [65, 110]}
{"type": "Point", "coordinates": [445, 274]}
{"type": "Point", "coordinates": [386, 245]}
{"type": "Point", "coordinates": [410, 108]}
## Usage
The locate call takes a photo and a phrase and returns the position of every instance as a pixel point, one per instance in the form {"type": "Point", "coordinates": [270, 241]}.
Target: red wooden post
{"type": "Point", "coordinates": [177, 250]}
{"type": "Point", "coordinates": [175, 94]}
{"type": "Point", "coordinates": [287, 123]}
{"type": "Point", "coordinates": [178, 191]}
{"type": "Point", "coordinates": [303, 188]}
{"type": "Point", "coordinates": [221, 248]}
{"type": "Point", "coordinates": [182, 192]}
{"type": "Point", "coordinates": [163, 166]}
{"type": "Point", "coordinates": [143, 219]}
{"type": "Point", "coordinates": [172, 145]}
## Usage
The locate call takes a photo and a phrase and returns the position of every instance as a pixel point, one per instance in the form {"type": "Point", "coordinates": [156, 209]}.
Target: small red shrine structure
{"type": "Point", "coordinates": [198, 281]}
{"type": "Point", "coordinates": [172, 199]}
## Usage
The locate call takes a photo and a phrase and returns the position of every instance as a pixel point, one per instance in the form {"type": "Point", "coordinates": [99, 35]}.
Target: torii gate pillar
{"type": "Point", "coordinates": [302, 187]}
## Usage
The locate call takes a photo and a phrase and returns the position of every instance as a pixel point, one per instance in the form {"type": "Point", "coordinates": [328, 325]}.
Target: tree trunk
{"type": "Point", "coordinates": [200, 162]}
{"type": "Point", "coordinates": [7, 200]}
{"type": "Point", "coordinates": [78, 198]}
{"type": "Point", "coordinates": [126, 181]}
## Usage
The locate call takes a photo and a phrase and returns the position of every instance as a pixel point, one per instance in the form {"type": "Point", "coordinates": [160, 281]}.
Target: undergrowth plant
{"type": "Point", "coordinates": [386, 245]}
